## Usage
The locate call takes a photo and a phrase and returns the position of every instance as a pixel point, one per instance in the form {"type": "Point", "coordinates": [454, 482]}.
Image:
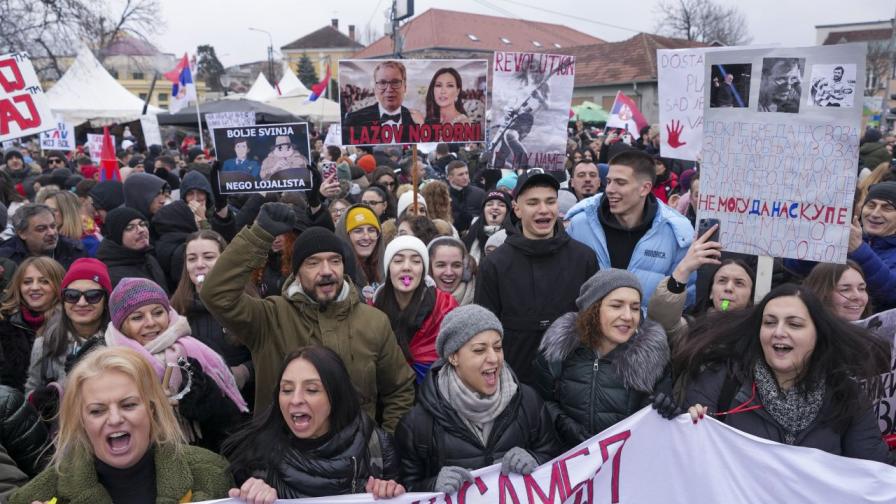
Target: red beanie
{"type": "Point", "coordinates": [88, 269]}
{"type": "Point", "coordinates": [367, 163]}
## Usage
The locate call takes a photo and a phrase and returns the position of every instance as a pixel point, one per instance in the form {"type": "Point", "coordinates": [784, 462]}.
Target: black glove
{"type": "Point", "coordinates": [276, 218]}
{"type": "Point", "coordinates": [220, 199]}
{"type": "Point", "coordinates": [313, 195]}
{"type": "Point", "coordinates": [666, 406]}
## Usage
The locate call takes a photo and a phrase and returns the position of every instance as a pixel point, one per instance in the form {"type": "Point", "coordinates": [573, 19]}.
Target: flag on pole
{"type": "Point", "coordinates": [183, 89]}
{"type": "Point", "coordinates": [108, 162]}
{"type": "Point", "coordinates": [625, 114]}
{"type": "Point", "coordinates": [320, 88]}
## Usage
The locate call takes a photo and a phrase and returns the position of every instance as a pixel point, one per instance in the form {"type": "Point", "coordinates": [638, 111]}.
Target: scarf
{"type": "Point", "coordinates": [34, 319]}
{"type": "Point", "coordinates": [176, 341]}
{"type": "Point", "coordinates": [792, 409]}
{"type": "Point", "coordinates": [464, 292]}
{"type": "Point", "coordinates": [478, 412]}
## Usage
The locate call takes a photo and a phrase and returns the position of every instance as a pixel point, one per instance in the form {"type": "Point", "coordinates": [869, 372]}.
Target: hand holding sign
{"type": "Point", "coordinates": [673, 130]}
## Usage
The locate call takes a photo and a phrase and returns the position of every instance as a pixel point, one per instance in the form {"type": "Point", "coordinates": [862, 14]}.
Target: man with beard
{"type": "Point", "coordinates": [320, 306]}
{"type": "Point", "coordinates": [585, 180]}
{"type": "Point", "coordinates": [37, 235]}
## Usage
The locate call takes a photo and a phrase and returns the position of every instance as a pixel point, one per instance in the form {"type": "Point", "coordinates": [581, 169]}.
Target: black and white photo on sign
{"type": "Point", "coordinates": [781, 85]}
{"type": "Point", "coordinates": [832, 85]}
{"type": "Point", "coordinates": [730, 85]}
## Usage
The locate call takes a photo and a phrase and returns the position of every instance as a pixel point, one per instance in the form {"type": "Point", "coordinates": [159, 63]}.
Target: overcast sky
{"type": "Point", "coordinates": [224, 23]}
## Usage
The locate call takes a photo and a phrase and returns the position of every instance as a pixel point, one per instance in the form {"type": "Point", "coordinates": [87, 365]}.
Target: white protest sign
{"type": "Point", "coordinates": [151, 133]}
{"type": "Point", "coordinates": [680, 95]}
{"type": "Point", "coordinates": [334, 135]}
{"type": "Point", "coordinates": [215, 120]}
{"type": "Point", "coordinates": [883, 388]}
{"type": "Point", "coordinates": [61, 138]}
{"type": "Point", "coordinates": [95, 146]}
{"type": "Point", "coordinates": [24, 109]}
{"type": "Point", "coordinates": [779, 171]}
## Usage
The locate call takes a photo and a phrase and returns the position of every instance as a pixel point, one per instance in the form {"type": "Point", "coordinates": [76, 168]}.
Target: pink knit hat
{"type": "Point", "coordinates": [131, 294]}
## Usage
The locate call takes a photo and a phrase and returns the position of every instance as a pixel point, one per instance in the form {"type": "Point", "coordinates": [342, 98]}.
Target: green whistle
{"type": "Point", "coordinates": [725, 304]}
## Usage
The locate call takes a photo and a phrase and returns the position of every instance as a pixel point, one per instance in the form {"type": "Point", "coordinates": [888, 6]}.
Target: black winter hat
{"type": "Point", "coordinates": [11, 154]}
{"type": "Point", "coordinates": [117, 220]}
{"type": "Point", "coordinates": [885, 191]}
{"type": "Point", "coordinates": [107, 195]}
{"type": "Point", "coordinates": [314, 241]}
{"type": "Point", "coordinates": [498, 195]}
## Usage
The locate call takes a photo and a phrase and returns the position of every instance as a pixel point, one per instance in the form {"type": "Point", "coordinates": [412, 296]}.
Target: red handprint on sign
{"type": "Point", "coordinates": [673, 131]}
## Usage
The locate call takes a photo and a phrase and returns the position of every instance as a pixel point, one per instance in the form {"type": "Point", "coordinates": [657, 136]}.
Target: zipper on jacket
{"type": "Point", "coordinates": [354, 474]}
{"type": "Point", "coordinates": [591, 397]}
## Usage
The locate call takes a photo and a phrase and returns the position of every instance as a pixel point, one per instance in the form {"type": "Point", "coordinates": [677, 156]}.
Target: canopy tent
{"type": "Point", "coordinates": [290, 82]}
{"type": "Point", "coordinates": [296, 102]}
{"type": "Point", "coordinates": [86, 92]}
{"type": "Point", "coordinates": [264, 114]}
{"type": "Point", "coordinates": [589, 112]}
{"type": "Point", "coordinates": [261, 89]}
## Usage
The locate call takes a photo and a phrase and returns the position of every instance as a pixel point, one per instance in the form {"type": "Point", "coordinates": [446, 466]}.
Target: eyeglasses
{"type": "Point", "coordinates": [372, 203]}
{"type": "Point", "coordinates": [133, 227]}
{"type": "Point", "coordinates": [394, 84]}
{"type": "Point", "coordinates": [55, 160]}
{"type": "Point", "coordinates": [93, 296]}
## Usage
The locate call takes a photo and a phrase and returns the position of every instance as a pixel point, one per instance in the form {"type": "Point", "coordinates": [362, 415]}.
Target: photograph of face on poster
{"type": "Point", "coordinates": [272, 157]}
{"type": "Point", "coordinates": [781, 84]}
{"type": "Point", "coordinates": [412, 101]}
{"type": "Point", "coordinates": [730, 86]}
{"type": "Point", "coordinates": [832, 86]}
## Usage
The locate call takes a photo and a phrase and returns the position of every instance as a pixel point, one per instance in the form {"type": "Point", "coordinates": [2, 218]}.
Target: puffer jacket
{"type": "Point", "coordinates": [655, 256]}
{"type": "Point", "coordinates": [586, 392]}
{"type": "Point", "coordinates": [433, 435]}
{"type": "Point", "coordinates": [22, 433]}
{"type": "Point", "coordinates": [124, 262]}
{"type": "Point", "coordinates": [341, 466]}
{"type": "Point", "coordinates": [274, 326]}
{"type": "Point", "coordinates": [872, 154]}
{"type": "Point", "coordinates": [16, 341]}
{"type": "Point", "coordinates": [877, 257]}
{"type": "Point", "coordinates": [861, 440]}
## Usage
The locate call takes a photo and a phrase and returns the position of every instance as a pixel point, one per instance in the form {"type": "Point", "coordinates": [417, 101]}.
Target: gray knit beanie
{"type": "Point", "coordinates": [604, 282]}
{"type": "Point", "coordinates": [463, 323]}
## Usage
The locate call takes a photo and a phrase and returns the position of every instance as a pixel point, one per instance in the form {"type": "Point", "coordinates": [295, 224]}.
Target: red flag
{"type": "Point", "coordinates": [318, 89]}
{"type": "Point", "coordinates": [108, 162]}
{"type": "Point", "coordinates": [174, 75]}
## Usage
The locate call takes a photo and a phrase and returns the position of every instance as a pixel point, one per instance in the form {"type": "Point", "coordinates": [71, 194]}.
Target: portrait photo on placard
{"type": "Point", "coordinates": [781, 85]}
{"type": "Point", "coordinates": [832, 85]}
{"type": "Point", "coordinates": [730, 85]}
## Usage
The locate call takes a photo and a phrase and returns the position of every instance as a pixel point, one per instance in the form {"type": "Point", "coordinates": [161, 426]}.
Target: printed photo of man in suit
{"type": "Point", "coordinates": [241, 163]}
{"type": "Point", "coordinates": [390, 86]}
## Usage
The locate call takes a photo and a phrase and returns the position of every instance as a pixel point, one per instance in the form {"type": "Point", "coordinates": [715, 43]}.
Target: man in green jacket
{"type": "Point", "coordinates": [319, 305]}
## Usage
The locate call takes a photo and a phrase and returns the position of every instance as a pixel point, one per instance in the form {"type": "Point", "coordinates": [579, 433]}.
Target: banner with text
{"type": "Point", "coordinates": [24, 109]}
{"type": "Point", "coordinates": [152, 134]}
{"type": "Point", "coordinates": [883, 387]}
{"type": "Point", "coordinates": [95, 146]}
{"type": "Point", "coordinates": [61, 137]}
{"type": "Point", "coordinates": [412, 101]}
{"type": "Point", "coordinates": [780, 149]}
{"type": "Point", "coordinates": [647, 458]}
{"type": "Point", "coordinates": [217, 120]}
{"type": "Point", "coordinates": [680, 94]}
{"type": "Point", "coordinates": [273, 157]}
{"type": "Point", "coordinates": [531, 96]}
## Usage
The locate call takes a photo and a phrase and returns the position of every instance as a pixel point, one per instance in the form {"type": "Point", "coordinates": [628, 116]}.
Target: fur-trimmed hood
{"type": "Point", "coordinates": [640, 362]}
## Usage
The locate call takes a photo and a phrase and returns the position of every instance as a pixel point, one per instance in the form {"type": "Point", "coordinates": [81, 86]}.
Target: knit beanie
{"type": "Point", "coordinates": [508, 181]}
{"type": "Point", "coordinates": [88, 268]}
{"type": "Point", "coordinates": [406, 199]}
{"type": "Point", "coordinates": [604, 282]}
{"type": "Point", "coordinates": [315, 240]}
{"type": "Point", "coordinates": [367, 163]}
{"type": "Point", "coordinates": [131, 294]}
{"type": "Point", "coordinates": [11, 154]}
{"type": "Point", "coordinates": [565, 201]}
{"type": "Point", "coordinates": [405, 242]}
{"type": "Point", "coordinates": [885, 191]}
{"type": "Point", "coordinates": [462, 324]}
{"type": "Point", "coordinates": [359, 216]}
{"type": "Point", "coordinates": [498, 195]}
{"type": "Point", "coordinates": [117, 220]}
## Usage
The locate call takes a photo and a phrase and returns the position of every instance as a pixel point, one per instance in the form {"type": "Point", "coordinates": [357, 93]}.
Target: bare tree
{"type": "Point", "coordinates": [702, 21]}
{"type": "Point", "coordinates": [878, 60]}
{"type": "Point", "coordinates": [369, 34]}
{"type": "Point", "coordinates": [50, 30]}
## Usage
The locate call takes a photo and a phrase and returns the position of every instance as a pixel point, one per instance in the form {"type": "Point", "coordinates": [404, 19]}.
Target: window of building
{"type": "Point", "coordinates": [505, 40]}
{"type": "Point", "coordinates": [113, 73]}
{"type": "Point", "coordinates": [138, 75]}
{"type": "Point", "coordinates": [536, 43]}
{"type": "Point", "coordinates": [472, 37]}
{"type": "Point", "coordinates": [163, 96]}
{"type": "Point", "coordinates": [142, 96]}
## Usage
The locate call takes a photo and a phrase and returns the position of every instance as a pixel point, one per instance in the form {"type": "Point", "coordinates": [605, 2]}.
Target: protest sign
{"type": "Point", "coordinates": [217, 120]}
{"type": "Point", "coordinates": [646, 458]}
{"type": "Point", "coordinates": [334, 135]}
{"type": "Point", "coordinates": [61, 138]}
{"type": "Point", "coordinates": [680, 74]}
{"type": "Point", "coordinates": [779, 169]}
{"type": "Point", "coordinates": [412, 101]}
{"type": "Point", "coordinates": [883, 388]}
{"type": "Point", "coordinates": [151, 133]}
{"type": "Point", "coordinates": [24, 109]}
{"type": "Point", "coordinates": [95, 146]}
{"type": "Point", "coordinates": [531, 95]}
{"type": "Point", "coordinates": [273, 157]}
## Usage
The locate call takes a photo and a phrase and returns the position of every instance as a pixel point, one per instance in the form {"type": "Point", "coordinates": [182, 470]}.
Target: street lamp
{"type": "Point", "coordinates": [270, 53]}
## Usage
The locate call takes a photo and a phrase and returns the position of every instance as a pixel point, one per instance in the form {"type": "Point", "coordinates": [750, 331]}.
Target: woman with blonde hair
{"type": "Point", "coordinates": [120, 442]}
{"type": "Point", "coordinates": [67, 210]}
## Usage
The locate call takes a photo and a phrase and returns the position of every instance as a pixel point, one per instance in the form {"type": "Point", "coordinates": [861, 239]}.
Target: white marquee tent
{"type": "Point", "coordinates": [261, 90]}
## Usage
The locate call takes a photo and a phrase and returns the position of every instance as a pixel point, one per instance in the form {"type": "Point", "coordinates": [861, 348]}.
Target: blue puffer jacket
{"type": "Point", "coordinates": [661, 248]}
{"type": "Point", "coordinates": [877, 257]}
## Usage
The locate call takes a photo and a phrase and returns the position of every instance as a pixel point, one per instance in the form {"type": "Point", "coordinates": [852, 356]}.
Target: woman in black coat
{"type": "Point", "coordinates": [313, 440]}
{"type": "Point", "coordinates": [787, 370]}
{"type": "Point", "coordinates": [599, 366]}
{"type": "Point", "coordinates": [472, 411]}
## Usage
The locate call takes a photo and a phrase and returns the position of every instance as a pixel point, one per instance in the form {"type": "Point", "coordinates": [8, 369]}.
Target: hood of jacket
{"type": "Point", "coordinates": [107, 195]}
{"type": "Point", "coordinates": [550, 246]}
{"type": "Point", "coordinates": [196, 180]}
{"type": "Point", "coordinates": [175, 217]}
{"type": "Point", "coordinates": [139, 191]}
{"type": "Point", "coordinates": [639, 362]}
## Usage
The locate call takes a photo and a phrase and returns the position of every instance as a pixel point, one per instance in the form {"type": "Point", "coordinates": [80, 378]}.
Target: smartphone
{"type": "Point", "coordinates": [327, 169]}
{"type": "Point", "coordinates": [704, 226]}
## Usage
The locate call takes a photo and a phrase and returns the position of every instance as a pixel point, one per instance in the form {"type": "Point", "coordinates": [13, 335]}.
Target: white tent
{"type": "Point", "coordinates": [295, 102]}
{"type": "Point", "coordinates": [261, 90]}
{"type": "Point", "coordinates": [290, 82]}
{"type": "Point", "coordinates": [88, 93]}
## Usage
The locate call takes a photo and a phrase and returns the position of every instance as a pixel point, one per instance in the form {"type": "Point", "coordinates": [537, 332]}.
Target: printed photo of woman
{"type": "Point", "coordinates": [443, 98]}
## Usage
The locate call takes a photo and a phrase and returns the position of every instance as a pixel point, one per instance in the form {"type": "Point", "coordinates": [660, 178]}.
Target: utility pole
{"type": "Point", "coordinates": [396, 37]}
{"type": "Point", "coordinates": [270, 55]}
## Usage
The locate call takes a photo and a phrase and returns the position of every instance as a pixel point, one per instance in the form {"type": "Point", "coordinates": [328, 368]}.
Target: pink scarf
{"type": "Point", "coordinates": [176, 341]}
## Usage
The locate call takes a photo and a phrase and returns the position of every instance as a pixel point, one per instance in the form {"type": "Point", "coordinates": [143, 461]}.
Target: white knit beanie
{"type": "Point", "coordinates": [405, 201]}
{"type": "Point", "coordinates": [406, 242]}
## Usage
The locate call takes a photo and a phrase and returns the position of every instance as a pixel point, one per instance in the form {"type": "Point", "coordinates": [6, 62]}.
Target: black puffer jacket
{"type": "Point", "coordinates": [528, 284]}
{"type": "Point", "coordinates": [586, 393]}
{"type": "Point", "coordinates": [124, 262]}
{"type": "Point", "coordinates": [16, 339]}
{"type": "Point", "coordinates": [433, 435]}
{"type": "Point", "coordinates": [341, 466]}
{"type": "Point", "coordinates": [22, 433]}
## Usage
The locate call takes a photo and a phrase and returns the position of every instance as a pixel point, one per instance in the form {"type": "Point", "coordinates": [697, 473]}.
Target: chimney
{"type": "Point", "coordinates": [351, 31]}
{"type": "Point", "coordinates": [334, 23]}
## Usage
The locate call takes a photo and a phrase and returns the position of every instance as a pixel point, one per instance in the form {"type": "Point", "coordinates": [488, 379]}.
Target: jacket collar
{"type": "Point", "coordinates": [344, 302]}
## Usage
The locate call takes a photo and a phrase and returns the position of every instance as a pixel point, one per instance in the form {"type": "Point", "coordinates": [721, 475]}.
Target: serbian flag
{"type": "Point", "coordinates": [625, 115]}
{"type": "Point", "coordinates": [182, 87]}
{"type": "Point", "coordinates": [108, 162]}
{"type": "Point", "coordinates": [320, 88]}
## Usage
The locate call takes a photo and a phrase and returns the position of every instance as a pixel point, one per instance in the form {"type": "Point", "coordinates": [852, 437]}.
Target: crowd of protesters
{"type": "Point", "coordinates": [161, 341]}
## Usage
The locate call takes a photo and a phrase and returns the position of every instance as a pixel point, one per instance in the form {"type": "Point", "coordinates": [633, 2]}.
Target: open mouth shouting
{"type": "Point", "coordinates": [119, 443]}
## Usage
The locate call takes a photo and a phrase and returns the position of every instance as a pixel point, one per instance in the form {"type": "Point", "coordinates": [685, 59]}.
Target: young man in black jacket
{"type": "Point", "coordinates": [466, 199]}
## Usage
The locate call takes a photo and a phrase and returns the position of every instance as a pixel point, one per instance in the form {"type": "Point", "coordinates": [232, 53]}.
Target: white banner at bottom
{"type": "Point", "coordinates": [647, 458]}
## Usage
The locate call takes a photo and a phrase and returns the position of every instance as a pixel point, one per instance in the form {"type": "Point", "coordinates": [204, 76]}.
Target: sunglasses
{"type": "Point", "coordinates": [93, 296]}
